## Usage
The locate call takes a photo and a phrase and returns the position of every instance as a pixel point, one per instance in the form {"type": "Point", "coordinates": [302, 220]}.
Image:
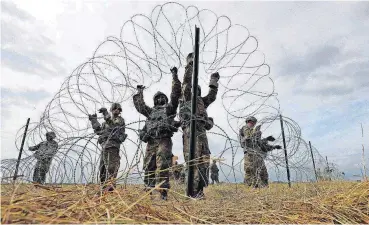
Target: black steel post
{"type": "Point", "coordinates": [312, 156]}
{"type": "Point", "coordinates": [326, 159]}
{"type": "Point", "coordinates": [285, 152]}
{"type": "Point", "coordinates": [191, 158]}
{"type": "Point", "coordinates": [21, 150]}
{"type": "Point", "coordinates": [328, 170]}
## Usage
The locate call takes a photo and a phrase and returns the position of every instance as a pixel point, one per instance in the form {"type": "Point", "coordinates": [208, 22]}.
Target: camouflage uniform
{"type": "Point", "coordinates": [157, 132]}
{"type": "Point", "coordinates": [202, 152]}
{"type": "Point", "coordinates": [111, 136]}
{"type": "Point", "coordinates": [255, 151]}
{"type": "Point", "coordinates": [183, 174]}
{"type": "Point", "coordinates": [214, 173]}
{"type": "Point", "coordinates": [177, 170]}
{"type": "Point", "coordinates": [44, 153]}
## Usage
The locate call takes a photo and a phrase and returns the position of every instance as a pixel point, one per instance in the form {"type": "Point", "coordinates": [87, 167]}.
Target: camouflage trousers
{"type": "Point", "coordinates": [157, 161]}
{"type": "Point", "coordinates": [41, 169]}
{"type": "Point", "coordinates": [256, 174]}
{"type": "Point", "coordinates": [202, 158]}
{"type": "Point", "coordinates": [109, 164]}
{"type": "Point", "coordinates": [176, 175]}
{"type": "Point", "coordinates": [214, 178]}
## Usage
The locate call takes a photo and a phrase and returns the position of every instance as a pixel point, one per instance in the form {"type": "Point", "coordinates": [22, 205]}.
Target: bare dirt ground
{"type": "Point", "coordinates": [323, 202]}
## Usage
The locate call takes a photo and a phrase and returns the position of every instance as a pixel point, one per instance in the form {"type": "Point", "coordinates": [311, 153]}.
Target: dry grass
{"type": "Point", "coordinates": [325, 202]}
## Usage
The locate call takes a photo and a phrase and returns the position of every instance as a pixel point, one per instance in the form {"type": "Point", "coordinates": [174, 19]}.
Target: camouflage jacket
{"type": "Point", "coordinates": [252, 142]}
{"type": "Point", "coordinates": [111, 132]}
{"type": "Point", "coordinates": [214, 168]}
{"type": "Point", "coordinates": [202, 102]}
{"type": "Point", "coordinates": [160, 119]}
{"type": "Point", "coordinates": [45, 150]}
{"type": "Point", "coordinates": [249, 137]}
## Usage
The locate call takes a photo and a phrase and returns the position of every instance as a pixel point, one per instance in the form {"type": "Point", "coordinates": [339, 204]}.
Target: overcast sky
{"type": "Point", "coordinates": [318, 53]}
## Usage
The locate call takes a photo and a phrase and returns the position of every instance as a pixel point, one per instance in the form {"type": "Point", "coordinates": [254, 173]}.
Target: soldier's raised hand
{"type": "Point", "coordinates": [92, 117]}
{"type": "Point", "coordinates": [214, 78]}
{"type": "Point", "coordinates": [103, 110]}
{"type": "Point", "coordinates": [140, 88]}
{"type": "Point", "coordinates": [174, 70]}
{"type": "Point", "coordinates": [190, 58]}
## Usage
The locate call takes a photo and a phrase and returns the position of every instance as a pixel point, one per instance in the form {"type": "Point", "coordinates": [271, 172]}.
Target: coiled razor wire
{"type": "Point", "coordinates": [148, 46]}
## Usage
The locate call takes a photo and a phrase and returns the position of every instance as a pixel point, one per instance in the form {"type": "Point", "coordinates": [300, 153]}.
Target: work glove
{"type": "Point", "coordinates": [140, 88]}
{"type": "Point", "coordinates": [270, 138]}
{"type": "Point", "coordinates": [174, 71]}
{"type": "Point", "coordinates": [214, 78]}
{"type": "Point", "coordinates": [103, 110]}
{"type": "Point", "coordinates": [92, 117]}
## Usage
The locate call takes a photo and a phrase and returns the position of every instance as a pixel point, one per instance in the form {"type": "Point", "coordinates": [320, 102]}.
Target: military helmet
{"type": "Point", "coordinates": [159, 93]}
{"type": "Point", "coordinates": [51, 134]}
{"type": "Point", "coordinates": [251, 118]}
{"type": "Point", "coordinates": [115, 106]}
{"type": "Point", "coordinates": [190, 55]}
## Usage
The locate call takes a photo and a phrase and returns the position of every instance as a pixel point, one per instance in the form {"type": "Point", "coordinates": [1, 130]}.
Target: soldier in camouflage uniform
{"type": "Point", "coordinates": [255, 151]}
{"type": "Point", "coordinates": [111, 136]}
{"type": "Point", "coordinates": [44, 153]}
{"type": "Point", "coordinates": [158, 132]}
{"type": "Point", "coordinates": [214, 172]}
{"type": "Point", "coordinates": [204, 123]}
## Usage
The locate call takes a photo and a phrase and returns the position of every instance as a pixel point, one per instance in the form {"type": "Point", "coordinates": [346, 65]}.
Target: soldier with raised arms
{"type": "Point", "coordinates": [157, 133]}
{"type": "Point", "coordinates": [203, 123]}
{"type": "Point", "coordinates": [111, 135]}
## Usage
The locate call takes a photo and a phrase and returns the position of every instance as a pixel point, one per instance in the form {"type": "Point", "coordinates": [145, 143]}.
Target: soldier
{"type": "Point", "coordinates": [214, 172]}
{"type": "Point", "coordinates": [111, 136]}
{"type": "Point", "coordinates": [44, 153]}
{"type": "Point", "coordinates": [255, 151]}
{"type": "Point", "coordinates": [157, 133]}
{"type": "Point", "coordinates": [204, 123]}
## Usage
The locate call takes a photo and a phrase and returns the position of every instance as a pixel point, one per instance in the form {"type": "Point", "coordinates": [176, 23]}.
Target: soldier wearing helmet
{"type": "Point", "coordinates": [158, 132]}
{"type": "Point", "coordinates": [111, 135]}
{"type": "Point", "coordinates": [255, 151]}
{"type": "Point", "coordinates": [214, 172]}
{"type": "Point", "coordinates": [203, 123]}
{"type": "Point", "coordinates": [44, 153]}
